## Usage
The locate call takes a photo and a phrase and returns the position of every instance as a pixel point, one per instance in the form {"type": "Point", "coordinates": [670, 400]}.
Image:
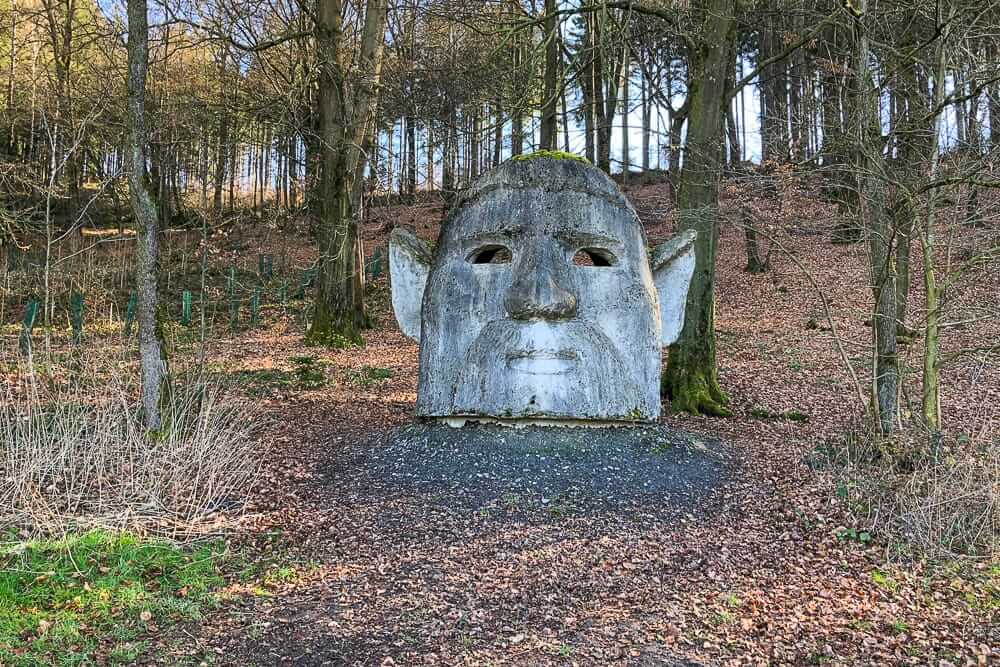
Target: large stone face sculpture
{"type": "Point", "coordinates": [513, 325]}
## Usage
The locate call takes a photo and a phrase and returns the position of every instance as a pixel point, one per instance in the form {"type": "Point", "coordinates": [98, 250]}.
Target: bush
{"type": "Point", "coordinates": [934, 499]}
{"type": "Point", "coordinates": [953, 505]}
{"type": "Point", "coordinates": [78, 457]}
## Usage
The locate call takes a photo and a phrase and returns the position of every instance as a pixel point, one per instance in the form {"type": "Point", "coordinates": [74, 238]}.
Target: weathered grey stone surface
{"type": "Point", "coordinates": [673, 266]}
{"type": "Point", "coordinates": [409, 262]}
{"type": "Point", "coordinates": [537, 336]}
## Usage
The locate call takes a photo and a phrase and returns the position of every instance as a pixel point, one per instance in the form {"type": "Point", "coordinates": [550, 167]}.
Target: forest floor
{"type": "Point", "coordinates": [769, 568]}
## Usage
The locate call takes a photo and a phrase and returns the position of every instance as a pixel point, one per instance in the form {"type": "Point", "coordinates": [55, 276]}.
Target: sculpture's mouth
{"type": "Point", "coordinates": [542, 362]}
{"type": "Point", "coordinates": [543, 369]}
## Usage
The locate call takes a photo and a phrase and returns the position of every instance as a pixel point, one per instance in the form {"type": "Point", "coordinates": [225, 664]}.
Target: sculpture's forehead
{"type": "Point", "coordinates": [536, 212]}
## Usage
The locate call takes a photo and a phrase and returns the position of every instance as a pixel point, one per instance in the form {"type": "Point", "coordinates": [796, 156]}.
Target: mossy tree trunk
{"type": "Point", "coordinates": [152, 356]}
{"type": "Point", "coordinates": [691, 378]}
{"type": "Point", "coordinates": [346, 117]}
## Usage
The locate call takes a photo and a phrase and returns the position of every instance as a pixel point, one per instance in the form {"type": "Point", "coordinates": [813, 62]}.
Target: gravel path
{"type": "Point", "coordinates": [523, 470]}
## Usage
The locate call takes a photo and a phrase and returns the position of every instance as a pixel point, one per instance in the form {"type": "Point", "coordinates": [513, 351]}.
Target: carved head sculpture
{"type": "Point", "coordinates": [540, 301]}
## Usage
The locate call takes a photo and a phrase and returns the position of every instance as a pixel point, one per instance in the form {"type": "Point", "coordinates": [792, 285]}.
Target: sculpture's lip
{"type": "Point", "coordinates": [543, 362]}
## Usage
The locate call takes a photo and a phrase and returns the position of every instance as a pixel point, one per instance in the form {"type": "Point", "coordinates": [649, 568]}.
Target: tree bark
{"type": "Point", "coordinates": [516, 133]}
{"type": "Point", "coordinates": [10, 136]}
{"type": "Point", "coordinates": [626, 150]}
{"type": "Point", "coordinates": [677, 120]}
{"type": "Point", "coordinates": [550, 96]}
{"type": "Point", "coordinates": [691, 377]}
{"type": "Point", "coordinates": [994, 105]}
{"type": "Point", "coordinates": [152, 360]}
{"type": "Point", "coordinates": [732, 131]}
{"type": "Point", "coordinates": [347, 110]}
{"type": "Point", "coordinates": [475, 142]}
{"type": "Point", "coordinates": [497, 132]}
{"type": "Point", "coordinates": [774, 96]}
{"type": "Point", "coordinates": [869, 170]}
{"type": "Point", "coordinates": [647, 117]}
{"type": "Point", "coordinates": [931, 389]}
{"type": "Point", "coordinates": [755, 262]}
{"type": "Point", "coordinates": [587, 88]}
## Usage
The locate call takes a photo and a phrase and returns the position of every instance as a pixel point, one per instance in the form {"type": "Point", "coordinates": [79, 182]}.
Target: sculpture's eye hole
{"type": "Point", "coordinates": [594, 257]}
{"type": "Point", "coordinates": [491, 254]}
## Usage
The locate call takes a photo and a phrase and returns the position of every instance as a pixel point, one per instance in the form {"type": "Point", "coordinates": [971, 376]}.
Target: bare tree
{"type": "Point", "coordinates": [153, 362]}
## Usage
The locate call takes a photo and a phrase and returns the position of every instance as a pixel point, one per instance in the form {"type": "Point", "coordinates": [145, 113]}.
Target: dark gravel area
{"type": "Point", "coordinates": [519, 471]}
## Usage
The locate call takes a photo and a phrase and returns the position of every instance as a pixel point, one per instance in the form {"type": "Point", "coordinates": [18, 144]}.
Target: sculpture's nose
{"type": "Point", "coordinates": [536, 293]}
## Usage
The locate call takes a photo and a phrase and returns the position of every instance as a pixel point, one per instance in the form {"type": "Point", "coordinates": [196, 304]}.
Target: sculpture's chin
{"type": "Point", "coordinates": [564, 370]}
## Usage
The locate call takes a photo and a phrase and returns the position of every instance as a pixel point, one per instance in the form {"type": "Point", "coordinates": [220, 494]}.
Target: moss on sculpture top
{"type": "Point", "coordinates": [552, 155]}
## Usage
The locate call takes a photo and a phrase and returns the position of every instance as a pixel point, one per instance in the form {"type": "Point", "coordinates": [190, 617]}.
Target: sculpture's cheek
{"type": "Point", "coordinates": [461, 299]}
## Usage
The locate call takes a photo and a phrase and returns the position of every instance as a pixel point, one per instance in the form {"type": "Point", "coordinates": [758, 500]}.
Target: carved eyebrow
{"type": "Point", "coordinates": [573, 237]}
{"type": "Point", "coordinates": [485, 237]}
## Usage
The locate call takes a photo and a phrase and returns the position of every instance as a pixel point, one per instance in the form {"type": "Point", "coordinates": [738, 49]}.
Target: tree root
{"type": "Point", "coordinates": [697, 394]}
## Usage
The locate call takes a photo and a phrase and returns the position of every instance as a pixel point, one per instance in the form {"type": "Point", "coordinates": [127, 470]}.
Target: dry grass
{"type": "Point", "coordinates": [938, 500]}
{"type": "Point", "coordinates": [75, 458]}
{"type": "Point", "coordinates": [953, 506]}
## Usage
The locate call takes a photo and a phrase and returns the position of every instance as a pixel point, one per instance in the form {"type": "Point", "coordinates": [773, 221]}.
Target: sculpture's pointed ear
{"type": "Point", "coordinates": [673, 266]}
{"type": "Point", "coordinates": [409, 264]}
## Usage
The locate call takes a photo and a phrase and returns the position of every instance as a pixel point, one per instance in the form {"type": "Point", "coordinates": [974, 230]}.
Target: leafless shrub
{"type": "Point", "coordinates": [71, 459]}
{"type": "Point", "coordinates": [929, 498]}
{"type": "Point", "coordinates": [953, 506]}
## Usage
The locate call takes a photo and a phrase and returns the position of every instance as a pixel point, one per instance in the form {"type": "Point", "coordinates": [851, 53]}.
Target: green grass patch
{"type": "Point", "coordinates": [884, 581]}
{"type": "Point", "coordinates": [765, 414]}
{"type": "Point", "coordinates": [367, 375]}
{"type": "Point", "coordinates": [307, 373]}
{"type": "Point", "coordinates": [92, 596]}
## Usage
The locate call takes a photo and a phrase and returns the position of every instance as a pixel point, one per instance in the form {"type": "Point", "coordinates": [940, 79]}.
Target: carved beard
{"type": "Point", "coordinates": [555, 369]}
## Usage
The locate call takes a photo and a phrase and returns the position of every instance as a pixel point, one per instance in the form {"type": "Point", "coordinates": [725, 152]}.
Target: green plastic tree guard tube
{"type": "Point", "coordinates": [27, 324]}
{"type": "Point", "coordinates": [76, 306]}
{"type": "Point", "coordinates": [130, 314]}
{"type": "Point", "coordinates": [255, 306]}
{"type": "Point", "coordinates": [186, 308]}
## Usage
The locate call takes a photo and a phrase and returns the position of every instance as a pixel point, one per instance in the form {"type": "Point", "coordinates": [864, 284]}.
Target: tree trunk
{"type": "Point", "coordinates": [647, 118]}
{"type": "Point", "coordinates": [911, 134]}
{"type": "Point", "coordinates": [587, 90]}
{"type": "Point", "coordinates": [603, 144]}
{"type": "Point", "coordinates": [755, 262]}
{"type": "Point", "coordinates": [960, 115]}
{"type": "Point", "coordinates": [565, 119]}
{"type": "Point", "coordinates": [550, 95]}
{"type": "Point", "coordinates": [152, 360]}
{"type": "Point", "coordinates": [795, 101]}
{"type": "Point", "coordinates": [732, 130]}
{"type": "Point", "coordinates": [10, 137]}
{"type": "Point", "coordinates": [430, 159]}
{"type": "Point", "coordinates": [626, 157]}
{"type": "Point", "coordinates": [476, 141]}
{"type": "Point", "coordinates": [931, 390]}
{"type": "Point", "coordinates": [497, 132]}
{"type": "Point", "coordinates": [995, 109]}
{"type": "Point", "coordinates": [869, 169]}
{"type": "Point", "coordinates": [677, 120]}
{"type": "Point", "coordinates": [903, 225]}
{"type": "Point", "coordinates": [339, 313]}
{"type": "Point", "coordinates": [411, 156]}
{"type": "Point", "coordinates": [691, 377]}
